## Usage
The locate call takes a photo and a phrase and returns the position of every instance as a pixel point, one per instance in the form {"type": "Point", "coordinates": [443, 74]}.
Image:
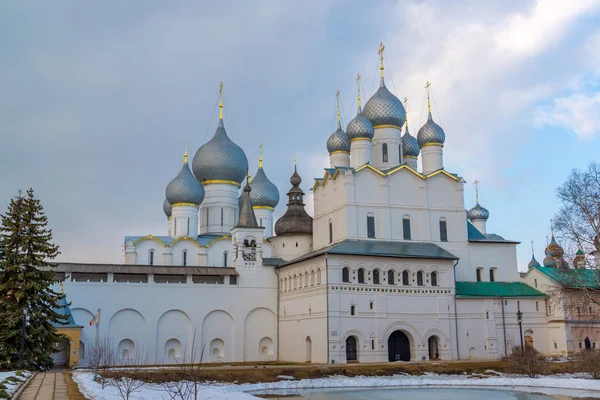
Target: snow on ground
{"type": "Point", "coordinates": [12, 386]}
{"type": "Point", "coordinates": [556, 383]}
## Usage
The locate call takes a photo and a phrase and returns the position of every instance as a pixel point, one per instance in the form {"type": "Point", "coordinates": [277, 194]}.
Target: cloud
{"type": "Point", "coordinates": [579, 113]}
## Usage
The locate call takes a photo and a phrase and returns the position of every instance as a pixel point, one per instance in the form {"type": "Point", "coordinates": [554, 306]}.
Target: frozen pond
{"type": "Point", "coordinates": [432, 393]}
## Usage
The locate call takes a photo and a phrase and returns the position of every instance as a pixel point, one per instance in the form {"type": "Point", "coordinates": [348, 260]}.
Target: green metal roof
{"type": "Point", "coordinates": [573, 278]}
{"type": "Point", "coordinates": [379, 248]}
{"type": "Point", "coordinates": [496, 289]}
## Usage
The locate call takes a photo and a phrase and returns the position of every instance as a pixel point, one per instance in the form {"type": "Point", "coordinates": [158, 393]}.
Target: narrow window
{"type": "Point", "coordinates": [318, 276]}
{"type": "Point", "coordinates": [371, 305]}
{"type": "Point", "coordinates": [591, 310]}
{"type": "Point", "coordinates": [373, 344]}
{"type": "Point", "coordinates": [361, 275]}
{"type": "Point", "coordinates": [222, 217]}
{"type": "Point", "coordinates": [535, 283]}
{"type": "Point", "coordinates": [175, 227]}
{"type": "Point", "coordinates": [492, 274]}
{"type": "Point", "coordinates": [443, 231]}
{"type": "Point", "coordinates": [371, 227]}
{"type": "Point", "coordinates": [346, 275]}
{"type": "Point", "coordinates": [225, 258]}
{"type": "Point", "coordinates": [151, 258]}
{"type": "Point", "coordinates": [478, 274]}
{"type": "Point", "coordinates": [406, 227]}
{"type": "Point", "coordinates": [312, 278]}
{"type": "Point", "coordinates": [434, 279]}
{"type": "Point", "coordinates": [405, 278]}
{"type": "Point", "coordinates": [391, 274]}
{"type": "Point", "coordinates": [260, 223]}
{"type": "Point", "coordinates": [184, 258]}
{"type": "Point", "coordinates": [400, 154]}
{"type": "Point", "coordinates": [232, 280]}
{"type": "Point", "coordinates": [420, 278]}
{"type": "Point", "coordinates": [537, 306]}
{"type": "Point", "coordinates": [580, 345]}
{"type": "Point", "coordinates": [330, 231]}
{"type": "Point", "coordinates": [487, 315]}
{"type": "Point", "coordinates": [207, 222]}
{"type": "Point", "coordinates": [376, 278]}
{"type": "Point", "coordinates": [555, 345]}
{"type": "Point", "coordinates": [188, 227]}
{"type": "Point", "coordinates": [579, 311]}
{"type": "Point", "coordinates": [352, 310]}
{"type": "Point", "coordinates": [384, 152]}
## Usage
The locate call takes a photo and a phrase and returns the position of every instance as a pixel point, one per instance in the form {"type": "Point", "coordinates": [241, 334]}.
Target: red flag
{"type": "Point", "coordinates": [96, 319]}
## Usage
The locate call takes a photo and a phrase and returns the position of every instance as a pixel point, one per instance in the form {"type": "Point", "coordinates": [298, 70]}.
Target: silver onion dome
{"type": "Point", "coordinates": [383, 108]}
{"type": "Point", "coordinates": [431, 133]}
{"type": "Point", "coordinates": [185, 188]}
{"type": "Point", "coordinates": [410, 146]}
{"type": "Point", "coordinates": [338, 141]}
{"type": "Point", "coordinates": [360, 128]}
{"type": "Point", "coordinates": [264, 193]}
{"type": "Point", "coordinates": [167, 208]}
{"type": "Point", "coordinates": [220, 159]}
{"type": "Point", "coordinates": [478, 213]}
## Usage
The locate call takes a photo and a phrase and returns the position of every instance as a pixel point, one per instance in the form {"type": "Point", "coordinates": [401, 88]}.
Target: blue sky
{"type": "Point", "coordinates": [98, 99]}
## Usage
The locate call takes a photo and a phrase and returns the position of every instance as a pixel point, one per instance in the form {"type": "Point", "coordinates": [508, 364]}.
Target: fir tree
{"type": "Point", "coordinates": [26, 280]}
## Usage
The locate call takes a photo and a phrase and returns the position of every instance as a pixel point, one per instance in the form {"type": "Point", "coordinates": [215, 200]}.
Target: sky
{"type": "Point", "coordinates": [97, 99]}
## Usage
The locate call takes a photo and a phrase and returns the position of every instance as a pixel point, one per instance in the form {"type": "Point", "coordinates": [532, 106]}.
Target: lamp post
{"type": "Point", "coordinates": [25, 309]}
{"type": "Point", "coordinates": [520, 319]}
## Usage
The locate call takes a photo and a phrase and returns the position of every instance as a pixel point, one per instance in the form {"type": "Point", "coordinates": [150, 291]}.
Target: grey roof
{"type": "Point", "coordinates": [379, 248]}
{"type": "Point", "coordinates": [295, 221]}
{"type": "Point", "coordinates": [383, 108]}
{"type": "Point", "coordinates": [274, 261]}
{"type": "Point", "coordinates": [431, 133]}
{"type": "Point", "coordinates": [185, 188]}
{"type": "Point", "coordinates": [360, 127]}
{"type": "Point", "coordinates": [167, 208]}
{"type": "Point", "coordinates": [143, 269]}
{"type": "Point", "coordinates": [247, 217]}
{"type": "Point", "coordinates": [338, 141]}
{"type": "Point", "coordinates": [264, 193]}
{"type": "Point", "coordinates": [478, 212]}
{"type": "Point", "coordinates": [410, 145]}
{"type": "Point", "coordinates": [474, 235]}
{"type": "Point", "coordinates": [220, 159]}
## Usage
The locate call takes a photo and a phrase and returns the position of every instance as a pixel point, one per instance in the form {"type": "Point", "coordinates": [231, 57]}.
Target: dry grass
{"type": "Point", "coordinates": [72, 388]}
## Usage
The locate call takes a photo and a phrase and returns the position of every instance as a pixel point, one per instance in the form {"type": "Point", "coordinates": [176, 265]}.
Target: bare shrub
{"type": "Point", "coordinates": [186, 382]}
{"type": "Point", "coordinates": [102, 357]}
{"type": "Point", "coordinates": [589, 361]}
{"type": "Point", "coordinates": [527, 361]}
{"type": "Point", "coordinates": [126, 383]}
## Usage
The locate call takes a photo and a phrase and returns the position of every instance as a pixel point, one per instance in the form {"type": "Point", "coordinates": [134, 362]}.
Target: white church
{"type": "Point", "coordinates": [391, 267]}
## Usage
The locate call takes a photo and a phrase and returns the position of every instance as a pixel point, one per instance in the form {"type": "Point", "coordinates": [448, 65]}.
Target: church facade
{"type": "Point", "coordinates": [391, 267]}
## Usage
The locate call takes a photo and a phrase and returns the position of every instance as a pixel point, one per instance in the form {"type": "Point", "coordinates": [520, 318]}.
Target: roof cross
{"type": "Point", "coordinates": [221, 100]}
{"type": "Point", "coordinates": [380, 52]}
{"type": "Point", "coordinates": [260, 158]}
{"type": "Point", "coordinates": [427, 86]}
{"type": "Point", "coordinates": [476, 183]}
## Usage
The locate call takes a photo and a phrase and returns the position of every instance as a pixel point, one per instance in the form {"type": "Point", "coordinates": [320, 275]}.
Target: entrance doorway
{"type": "Point", "coordinates": [308, 350]}
{"type": "Point", "coordinates": [528, 341]}
{"type": "Point", "coordinates": [434, 346]}
{"type": "Point", "coordinates": [398, 347]}
{"type": "Point", "coordinates": [351, 350]}
{"type": "Point", "coordinates": [61, 356]}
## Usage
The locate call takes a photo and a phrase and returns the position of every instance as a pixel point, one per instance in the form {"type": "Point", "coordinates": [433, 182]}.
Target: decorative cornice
{"type": "Point", "coordinates": [223, 181]}
{"type": "Point", "coordinates": [387, 126]}
{"type": "Point", "coordinates": [184, 205]}
{"type": "Point", "coordinates": [264, 208]}
{"type": "Point", "coordinates": [224, 237]}
{"type": "Point", "coordinates": [415, 157]}
{"type": "Point", "coordinates": [339, 151]}
{"type": "Point", "coordinates": [179, 239]}
{"type": "Point", "coordinates": [359, 138]}
{"type": "Point", "coordinates": [443, 172]}
{"type": "Point", "coordinates": [432, 144]}
{"type": "Point", "coordinates": [149, 237]}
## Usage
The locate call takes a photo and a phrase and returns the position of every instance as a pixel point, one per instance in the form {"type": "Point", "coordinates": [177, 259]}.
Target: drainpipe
{"type": "Point", "coordinates": [504, 326]}
{"type": "Point", "coordinates": [327, 305]}
{"type": "Point", "coordinates": [456, 314]}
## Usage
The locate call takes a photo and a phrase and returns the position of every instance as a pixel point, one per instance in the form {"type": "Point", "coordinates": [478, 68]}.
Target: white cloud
{"type": "Point", "coordinates": [579, 113]}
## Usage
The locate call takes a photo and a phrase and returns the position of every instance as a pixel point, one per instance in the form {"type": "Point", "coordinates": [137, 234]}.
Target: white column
{"type": "Point", "coordinates": [339, 159]}
{"type": "Point", "coordinates": [184, 221]}
{"type": "Point", "coordinates": [480, 225]}
{"type": "Point", "coordinates": [411, 161]}
{"type": "Point", "coordinates": [360, 152]}
{"type": "Point", "coordinates": [432, 158]}
{"type": "Point", "coordinates": [264, 217]}
{"type": "Point", "coordinates": [390, 136]}
{"type": "Point", "coordinates": [219, 210]}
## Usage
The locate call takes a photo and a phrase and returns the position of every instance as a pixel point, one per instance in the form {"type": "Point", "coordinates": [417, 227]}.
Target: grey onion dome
{"type": "Point", "coordinates": [533, 263]}
{"type": "Point", "coordinates": [383, 108]}
{"type": "Point", "coordinates": [430, 133]}
{"type": "Point", "coordinates": [549, 261]}
{"type": "Point", "coordinates": [185, 188]}
{"type": "Point", "coordinates": [167, 208]}
{"type": "Point", "coordinates": [410, 146]}
{"type": "Point", "coordinates": [264, 193]}
{"type": "Point", "coordinates": [478, 213]}
{"type": "Point", "coordinates": [338, 141]}
{"type": "Point", "coordinates": [220, 159]}
{"type": "Point", "coordinates": [360, 128]}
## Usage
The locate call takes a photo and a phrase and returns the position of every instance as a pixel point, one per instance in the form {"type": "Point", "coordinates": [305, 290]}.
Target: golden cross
{"type": "Point", "coordinates": [294, 159]}
{"type": "Point", "coordinates": [221, 100]}
{"type": "Point", "coordinates": [406, 109]}
{"type": "Point", "coordinates": [427, 85]}
{"type": "Point", "coordinates": [260, 159]}
{"type": "Point", "coordinates": [532, 247]}
{"type": "Point", "coordinates": [358, 84]}
{"type": "Point", "coordinates": [221, 90]}
{"type": "Point", "coordinates": [380, 52]}
{"type": "Point", "coordinates": [185, 153]}
{"type": "Point", "coordinates": [476, 190]}
{"type": "Point", "coordinates": [337, 96]}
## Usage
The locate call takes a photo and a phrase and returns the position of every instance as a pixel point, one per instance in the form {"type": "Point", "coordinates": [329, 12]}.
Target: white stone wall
{"type": "Point", "coordinates": [432, 158]}
{"type": "Point", "coordinates": [360, 152]}
{"type": "Point", "coordinates": [220, 200]}
{"type": "Point", "coordinates": [290, 247]}
{"type": "Point", "coordinates": [391, 136]}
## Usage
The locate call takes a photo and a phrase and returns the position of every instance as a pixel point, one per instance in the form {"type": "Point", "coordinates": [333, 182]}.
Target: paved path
{"type": "Point", "coordinates": [46, 386]}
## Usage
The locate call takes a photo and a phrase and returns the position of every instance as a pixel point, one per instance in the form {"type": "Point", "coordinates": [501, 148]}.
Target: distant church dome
{"type": "Point", "coordinates": [383, 108]}
{"type": "Point", "coordinates": [410, 146]}
{"type": "Point", "coordinates": [167, 208]}
{"type": "Point", "coordinates": [430, 133]}
{"type": "Point", "coordinates": [549, 261]}
{"type": "Point", "coordinates": [264, 193]}
{"type": "Point", "coordinates": [533, 263]}
{"type": "Point", "coordinates": [295, 221]}
{"type": "Point", "coordinates": [220, 160]}
{"type": "Point", "coordinates": [554, 249]}
{"type": "Point", "coordinates": [185, 188]}
{"type": "Point", "coordinates": [478, 213]}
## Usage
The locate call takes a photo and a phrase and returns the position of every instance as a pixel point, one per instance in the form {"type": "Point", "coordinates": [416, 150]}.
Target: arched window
{"type": "Point", "coordinates": [434, 279]}
{"type": "Point", "coordinates": [295, 282]}
{"type": "Point", "coordinates": [318, 276]}
{"type": "Point", "coordinates": [371, 226]}
{"type": "Point", "coordinates": [420, 278]}
{"type": "Point", "coordinates": [405, 278]}
{"type": "Point", "coordinates": [443, 230]}
{"type": "Point", "coordinates": [330, 231]}
{"type": "Point", "coordinates": [151, 257]}
{"type": "Point", "coordinates": [225, 258]}
{"type": "Point", "coordinates": [346, 275]}
{"type": "Point", "coordinates": [384, 152]}
{"type": "Point", "coordinates": [361, 275]}
{"type": "Point", "coordinates": [184, 258]}
{"type": "Point", "coordinates": [492, 274]}
{"type": "Point", "coordinates": [391, 275]}
{"type": "Point", "coordinates": [478, 272]}
{"type": "Point", "coordinates": [175, 226]}
{"type": "Point", "coordinates": [399, 154]}
{"type": "Point", "coordinates": [376, 277]}
{"type": "Point", "coordinates": [306, 279]}
{"type": "Point", "coordinates": [222, 216]}
{"type": "Point", "coordinates": [188, 227]}
{"type": "Point", "coordinates": [406, 227]}
{"type": "Point", "coordinates": [312, 278]}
